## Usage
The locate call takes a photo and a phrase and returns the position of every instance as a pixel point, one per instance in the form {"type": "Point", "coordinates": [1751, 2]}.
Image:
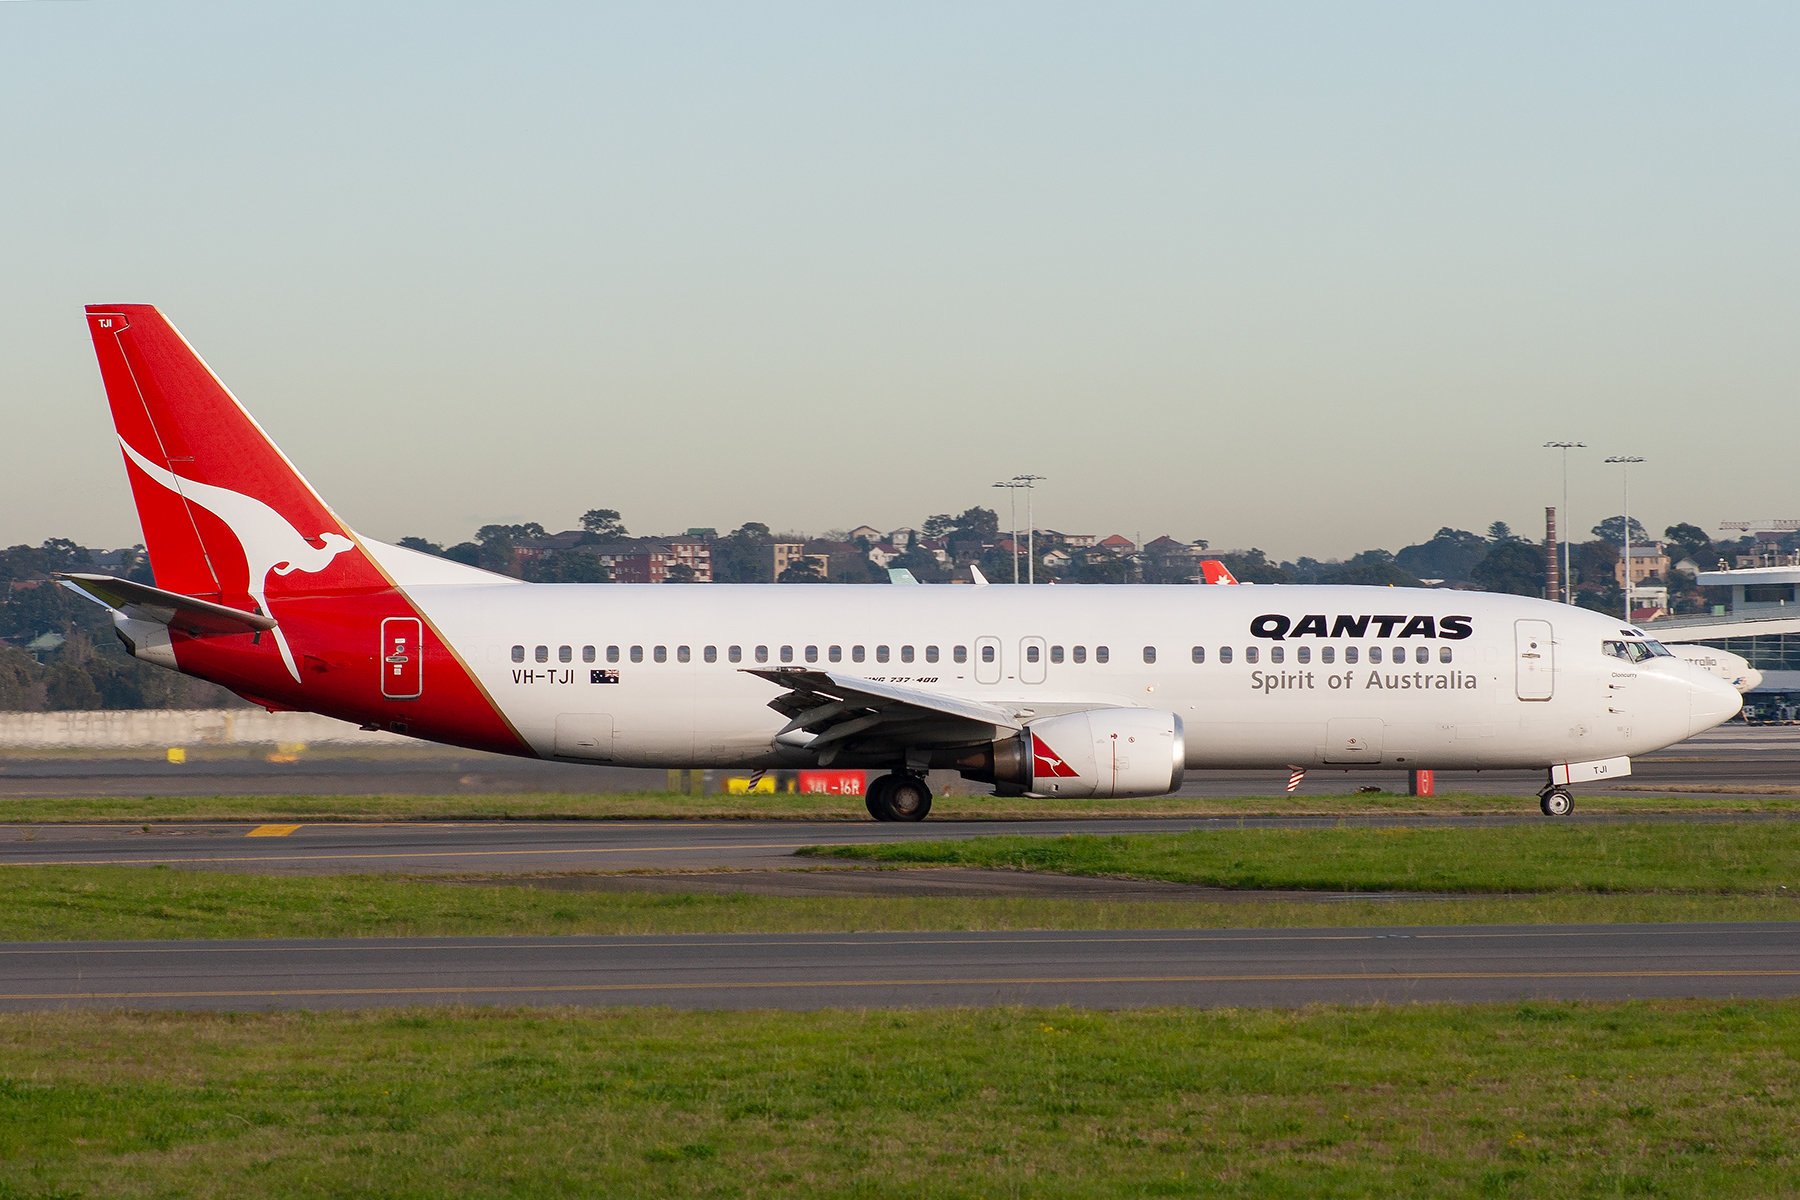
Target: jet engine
{"type": "Point", "coordinates": [1105, 752]}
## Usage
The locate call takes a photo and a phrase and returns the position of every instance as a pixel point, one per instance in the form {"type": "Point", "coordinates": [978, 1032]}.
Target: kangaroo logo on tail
{"type": "Point", "coordinates": [270, 541]}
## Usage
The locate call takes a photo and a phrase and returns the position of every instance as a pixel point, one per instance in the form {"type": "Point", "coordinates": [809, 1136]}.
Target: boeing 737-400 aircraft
{"type": "Point", "coordinates": [1049, 691]}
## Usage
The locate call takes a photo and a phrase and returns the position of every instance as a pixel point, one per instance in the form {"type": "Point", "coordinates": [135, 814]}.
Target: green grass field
{"type": "Point", "coordinates": [1759, 857]}
{"type": "Point", "coordinates": [550, 806]}
{"type": "Point", "coordinates": [132, 903]}
{"type": "Point", "coordinates": [1675, 1099]}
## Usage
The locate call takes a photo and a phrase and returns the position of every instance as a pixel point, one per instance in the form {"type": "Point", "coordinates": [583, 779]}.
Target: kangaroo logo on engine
{"type": "Point", "coordinates": [1276, 627]}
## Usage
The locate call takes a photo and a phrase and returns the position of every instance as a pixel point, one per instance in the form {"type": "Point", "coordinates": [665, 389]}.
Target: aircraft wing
{"type": "Point", "coordinates": [196, 618]}
{"type": "Point", "coordinates": [829, 713]}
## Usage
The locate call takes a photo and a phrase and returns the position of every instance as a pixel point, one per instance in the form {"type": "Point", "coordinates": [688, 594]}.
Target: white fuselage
{"type": "Point", "coordinates": [1483, 700]}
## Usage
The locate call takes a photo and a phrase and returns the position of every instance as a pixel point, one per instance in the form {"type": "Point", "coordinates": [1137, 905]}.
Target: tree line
{"type": "Point", "coordinates": [58, 651]}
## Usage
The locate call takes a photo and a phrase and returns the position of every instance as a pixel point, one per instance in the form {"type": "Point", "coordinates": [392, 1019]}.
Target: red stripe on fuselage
{"type": "Point", "coordinates": [336, 642]}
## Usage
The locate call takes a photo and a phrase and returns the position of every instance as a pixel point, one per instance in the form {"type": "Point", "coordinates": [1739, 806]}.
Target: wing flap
{"type": "Point", "coordinates": [844, 711]}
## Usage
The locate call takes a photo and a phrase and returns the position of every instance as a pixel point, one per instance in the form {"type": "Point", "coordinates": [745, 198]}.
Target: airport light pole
{"type": "Point", "coordinates": [1626, 460]}
{"type": "Point", "coordinates": [1030, 527]}
{"type": "Point", "coordinates": [1012, 503]}
{"type": "Point", "coordinates": [1567, 588]}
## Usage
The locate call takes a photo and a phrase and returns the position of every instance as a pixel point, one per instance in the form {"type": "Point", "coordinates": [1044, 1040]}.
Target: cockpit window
{"type": "Point", "coordinates": [1658, 650]}
{"type": "Point", "coordinates": [1635, 652]}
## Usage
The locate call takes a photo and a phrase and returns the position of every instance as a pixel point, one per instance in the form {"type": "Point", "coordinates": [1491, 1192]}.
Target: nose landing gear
{"type": "Point", "coordinates": [900, 796]}
{"type": "Point", "coordinates": [1556, 802]}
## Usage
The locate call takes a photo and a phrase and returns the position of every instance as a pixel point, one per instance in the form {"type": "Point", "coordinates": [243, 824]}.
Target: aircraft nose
{"type": "Point", "coordinates": [1711, 701]}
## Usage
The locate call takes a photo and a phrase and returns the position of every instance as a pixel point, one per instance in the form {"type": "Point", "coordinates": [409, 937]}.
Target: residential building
{"type": "Point", "coordinates": [693, 552]}
{"type": "Point", "coordinates": [779, 556]}
{"type": "Point", "coordinates": [638, 560]}
{"type": "Point", "coordinates": [1648, 563]}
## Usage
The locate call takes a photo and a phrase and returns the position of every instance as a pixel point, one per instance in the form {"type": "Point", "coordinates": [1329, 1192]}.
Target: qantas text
{"type": "Point", "coordinates": [1277, 628]}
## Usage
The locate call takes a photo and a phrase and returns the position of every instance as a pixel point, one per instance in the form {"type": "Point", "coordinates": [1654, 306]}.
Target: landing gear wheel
{"type": "Point", "coordinates": [899, 797]}
{"type": "Point", "coordinates": [876, 798]}
{"type": "Point", "coordinates": [1556, 803]}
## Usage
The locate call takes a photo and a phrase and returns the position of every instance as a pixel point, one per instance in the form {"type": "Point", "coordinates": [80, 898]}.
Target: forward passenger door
{"type": "Point", "coordinates": [1535, 658]}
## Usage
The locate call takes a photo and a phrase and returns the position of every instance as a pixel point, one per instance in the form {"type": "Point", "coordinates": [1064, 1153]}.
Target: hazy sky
{"type": "Point", "coordinates": [1314, 278]}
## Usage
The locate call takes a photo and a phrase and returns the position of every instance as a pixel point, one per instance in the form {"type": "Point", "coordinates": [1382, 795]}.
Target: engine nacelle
{"type": "Point", "coordinates": [1105, 752]}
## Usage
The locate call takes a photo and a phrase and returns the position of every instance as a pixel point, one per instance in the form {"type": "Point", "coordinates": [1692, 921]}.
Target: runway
{"type": "Point", "coordinates": [1205, 968]}
{"type": "Point", "coordinates": [1732, 756]}
{"type": "Point", "coordinates": [539, 846]}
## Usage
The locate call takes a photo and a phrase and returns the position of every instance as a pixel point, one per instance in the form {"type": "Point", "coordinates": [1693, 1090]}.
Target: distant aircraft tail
{"type": "Point", "coordinates": [1215, 571]}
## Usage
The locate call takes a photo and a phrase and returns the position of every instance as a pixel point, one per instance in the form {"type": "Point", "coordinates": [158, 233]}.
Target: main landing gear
{"type": "Point", "coordinates": [901, 796]}
{"type": "Point", "coordinates": [1556, 802]}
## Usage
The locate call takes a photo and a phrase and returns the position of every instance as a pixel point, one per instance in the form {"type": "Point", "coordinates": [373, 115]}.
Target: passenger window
{"type": "Point", "coordinates": [1251, 653]}
{"type": "Point", "coordinates": [1224, 654]}
{"type": "Point", "coordinates": [762, 654]}
{"type": "Point", "coordinates": [906, 654]}
{"type": "Point", "coordinates": [1349, 654]}
{"type": "Point", "coordinates": [1276, 653]}
{"type": "Point", "coordinates": [681, 654]}
{"type": "Point", "coordinates": [735, 654]}
{"type": "Point", "coordinates": [1303, 654]}
{"type": "Point", "coordinates": [1374, 654]}
{"type": "Point", "coordinates": [787, 654]}
{"type": "Point", "coordinates": [518, 654]}
{"type": "Point", "coordinates": [587, 654]}
{"type": "Point", "coordinates": [637, 654]}
{"type": "Point", "coordinates": [1327, 654]}
{"type": "Point", "coordinates": [1031, 654]}
{"type": "Point", "coordinates": [710, 654]}
{"type": "Point", "coordinates": [542, 654]}
{"type": "Point", "coordinates": [565, 654]}
{"type": "Point", "coordinates": [835, 654]}
{"type": "Point", "coordinates": [881, 654]}
{"type": "Point", "coordinates": [931, 654]}
{"type": "Point", "coordinates": [1199, 654]}
{"type": "Point", "coordinates": [1149, 654]}
{"type": "Point", "coordinates": [1101, 654]}
{"type": "Point", "coordinates": [1081, 654]}
{"type": "Point", "coordinates": [1056, 654]}
{"type": "Point", "coordinates": [960, 654]}
{"type": "Point", "coordinates": [987, 654]}
{"type": "Point", "coordinates": [661, 654]}
{"type": "Point", "coordinates": [612, 654]}
{"type": "Point", "coordinates": [812, 654]}
{"type": "Point", "coordinates": [856, 654]}
{"type": "Point", "coordinates": [1399, 654]}
{"type": "Point", "coordinates": [1443, 654]}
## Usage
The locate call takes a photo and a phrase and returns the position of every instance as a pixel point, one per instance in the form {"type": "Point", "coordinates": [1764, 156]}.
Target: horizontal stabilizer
{"type": "Point", "coordinates": [140, 602]}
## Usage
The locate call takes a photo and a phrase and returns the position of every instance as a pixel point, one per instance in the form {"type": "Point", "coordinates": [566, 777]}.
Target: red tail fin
{"type": "Point", "coordinates": [225, 515]}
{"type": "Point", "coordinates": [1215, 572]}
